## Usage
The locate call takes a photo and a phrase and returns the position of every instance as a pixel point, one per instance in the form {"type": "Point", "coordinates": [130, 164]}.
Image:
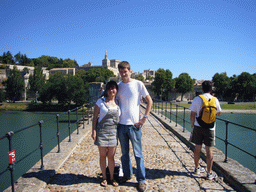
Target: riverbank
{"type": "Point", "coordinates": [244, 111]}
{"type": "Point", "coordinates": [35, 107]}
{"type": "Point", "coordinates": [54, 107]}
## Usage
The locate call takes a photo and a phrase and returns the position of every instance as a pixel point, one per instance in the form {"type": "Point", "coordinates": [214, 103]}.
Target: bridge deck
{"type": "Point", "coordinates": [169, 165]}
{"type": "Point", "coordinates": [168, 161]}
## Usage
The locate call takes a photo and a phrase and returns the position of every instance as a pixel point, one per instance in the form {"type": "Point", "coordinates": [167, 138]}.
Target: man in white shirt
{"type": "Point", "coordinates": [202, 135]}
{"type": "Point", "coordinates": [129, 97]}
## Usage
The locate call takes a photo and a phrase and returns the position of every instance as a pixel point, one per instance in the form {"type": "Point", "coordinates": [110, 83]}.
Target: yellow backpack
{"type": "Point", "coordinates": [207, 115]}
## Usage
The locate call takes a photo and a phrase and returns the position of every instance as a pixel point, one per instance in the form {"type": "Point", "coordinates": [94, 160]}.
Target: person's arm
{"type": "Point", "coordinates": [192, 118]}
{"type": "Point", "coordinates": [94, 121]}
{"type": "Point", "coordinates": [148, 109]}
{"type": "Point", "coordinates": [149, 104]}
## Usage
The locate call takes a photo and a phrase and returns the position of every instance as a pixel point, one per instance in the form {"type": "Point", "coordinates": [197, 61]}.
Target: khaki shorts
{"type": "Point", "coordinates": [201, 135]}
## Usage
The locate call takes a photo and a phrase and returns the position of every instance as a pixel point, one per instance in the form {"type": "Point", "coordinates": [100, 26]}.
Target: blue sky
{"type": "Point", "coordinates": [200, 37]}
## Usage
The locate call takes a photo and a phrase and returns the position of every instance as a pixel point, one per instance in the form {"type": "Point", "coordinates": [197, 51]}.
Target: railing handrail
{"type": "Point", "coordinates": [216, 117]}
{"type": "Point", "coordinates": [226, 122]}
{"type": "Point", "coordinates": [9, 135]}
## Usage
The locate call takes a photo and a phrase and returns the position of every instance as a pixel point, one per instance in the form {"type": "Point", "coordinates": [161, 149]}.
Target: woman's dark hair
{"type": "Point", "coordinates": [110, 84]}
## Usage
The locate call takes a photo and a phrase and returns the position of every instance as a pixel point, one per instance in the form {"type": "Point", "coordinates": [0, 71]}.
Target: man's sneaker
{"type": "Point", "coordinates": [211, 176]}
{"type": "Point", "coordinates": [142, 187]}
{"type": "Point", "coordinates": [199, 170]}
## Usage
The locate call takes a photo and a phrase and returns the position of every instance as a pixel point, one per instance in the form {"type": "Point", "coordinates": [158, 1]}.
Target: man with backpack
{"type": "Point", "coordinates": [204, 110]}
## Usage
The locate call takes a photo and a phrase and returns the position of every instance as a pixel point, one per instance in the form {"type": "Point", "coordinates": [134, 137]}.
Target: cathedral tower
{"type": "Point", "coordinates": [106, 61]}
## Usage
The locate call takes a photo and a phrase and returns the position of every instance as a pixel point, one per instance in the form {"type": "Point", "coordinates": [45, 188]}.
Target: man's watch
{"type": "Point", "coordinates": [145, 116]}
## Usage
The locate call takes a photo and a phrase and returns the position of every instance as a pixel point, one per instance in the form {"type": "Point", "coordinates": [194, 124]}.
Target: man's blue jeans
{"type": "Point", "coordinates": [126, 133]}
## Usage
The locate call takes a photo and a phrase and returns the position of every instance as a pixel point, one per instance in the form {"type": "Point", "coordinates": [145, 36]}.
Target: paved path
{"type": "Point", "coordinates": [168, 161]}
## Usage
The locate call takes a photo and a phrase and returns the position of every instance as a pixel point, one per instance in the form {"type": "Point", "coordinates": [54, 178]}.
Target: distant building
{"type": "Point", "coordinates": [65, 71]}
{"type": "Point", "coordinates": [26, 71]}
{"type": "Point", "coordinates": [150, 73]}
{"type": "Point", "coordinates": [112, 65]}
{"type": "Point", "coordinates": [145, 74]}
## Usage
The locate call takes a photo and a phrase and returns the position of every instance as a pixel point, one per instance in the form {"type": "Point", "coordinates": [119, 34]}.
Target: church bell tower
{"type": "Point", "coordinates": [106, 61]}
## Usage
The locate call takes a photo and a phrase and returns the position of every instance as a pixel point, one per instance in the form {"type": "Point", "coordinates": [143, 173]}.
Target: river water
{"type": "Point", "coordinates": [26, 141]}
{"type": "Point", "coordinates": [238, 136]}
{"type": "Point", "coordinates": [29, 140]}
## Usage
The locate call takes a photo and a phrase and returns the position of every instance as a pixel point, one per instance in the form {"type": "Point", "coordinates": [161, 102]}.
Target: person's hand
{"type": "Point", "coordinates": [140, 123]}
{"type": "Point", "coordinates": [94, 135]}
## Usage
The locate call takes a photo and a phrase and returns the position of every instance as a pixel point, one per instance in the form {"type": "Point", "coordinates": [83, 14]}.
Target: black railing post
{"type": "Point", "coordinates": [11, 165]}
{"type": "Point", "coordinates": [91, 109]}
{"type": "Point", "coordinates": [226, 142]}
{"type": "Point", "coordinates": [58, 132]}
{"type": "Point", "coordinates": [158, 107]}
{"type": "Point", "coordinates": [176, 115]}
{"type": "Point", "coordinates": [83, 116]}
{"type": "Point", "coordinates": [77, 124]}
{"type": "Point", "coordinates": [184, 119]}
{"type": "Point", "coordinates": [69, 131]}
{"type": "Point", "coordinates": [41, 144]}
{"type": "Point", "coordinates": [165, 109]}
{"type": "Point", "coordinates": [162, 108]}
{"type": "Point", "coordinates": [170, 112]}
{"type": "Point", "coordinates": [87, 114]}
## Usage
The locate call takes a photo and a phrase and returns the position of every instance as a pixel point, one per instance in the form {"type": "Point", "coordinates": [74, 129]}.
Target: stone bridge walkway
{"type": "Point", "coordinates": [168, 161]}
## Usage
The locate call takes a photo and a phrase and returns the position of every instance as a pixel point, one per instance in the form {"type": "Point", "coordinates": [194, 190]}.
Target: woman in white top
{"type": "Point", "coordinates": [104, 130]}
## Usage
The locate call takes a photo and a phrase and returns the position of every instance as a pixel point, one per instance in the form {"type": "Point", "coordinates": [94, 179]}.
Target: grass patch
{"type": "Point", "coordinates": [223, 106]}
{"type": "Point", "coordinates": [37, 107]}
{"type": "Point", "coordinates": [13, 106]}
{"type": "Point", "coordinates": [239, 106]}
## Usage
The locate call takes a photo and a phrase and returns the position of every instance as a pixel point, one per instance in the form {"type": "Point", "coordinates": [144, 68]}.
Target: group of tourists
{"type": "Point", "coordinates": [117, 118]}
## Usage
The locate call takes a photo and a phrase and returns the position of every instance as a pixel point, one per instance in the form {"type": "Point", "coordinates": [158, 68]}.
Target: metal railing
{"type": "Point", "coordinates": [158, 107]}
{"type": "Point", "coordinates": [86, 114]}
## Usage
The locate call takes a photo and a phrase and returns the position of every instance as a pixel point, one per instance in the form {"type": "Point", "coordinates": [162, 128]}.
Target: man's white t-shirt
{"type": "Point", "coordinates": [129, 97]}
{"type": "Point", "coordinates": [198, 103]}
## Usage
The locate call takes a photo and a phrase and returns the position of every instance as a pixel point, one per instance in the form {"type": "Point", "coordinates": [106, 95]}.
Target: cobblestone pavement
{"type": "Point", "coordinates": [169, 166]}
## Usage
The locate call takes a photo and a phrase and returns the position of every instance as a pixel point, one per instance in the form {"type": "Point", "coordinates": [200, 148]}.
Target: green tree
{"type": "Point", "coordinates": [158, 84]}
{"type": "Point", "coordinates": [163, 83]}
{"type": "Point", "coordinates": [76, 90]}
{"type": "Point", "coordinates": [149, 78]}
{"type": "Point", "coordinates": [36, 81]}
{"type": "Point", "coordinates": [169, 83]}
{"type": "Point", "coordinates": [140, 77]}
{"type": "Point", "coordinates": [15, 85]}
{"type": "Point", "coordinates": [2, 96]}
{"type": "Point", "coordinates": [18, 58]}
{"type": "Point", "coordinates": [7, 58]}
{"type": "Point", "coordinates": [184, 84]}
{"type": "Point", "coordinates": [95, 75]}
{"type": "Point", "coordinates": [83, 75]}
{"type": "Point", "coordinates": [59, 88]}
{"type": "Point", "coordinates": [24, 60]}
{"type": "Point", "coordinates": [221, 83]}
{"type": "Point", "coordinates": [46, 93]}
{"type": "Point", "coordinates": [245, 86]}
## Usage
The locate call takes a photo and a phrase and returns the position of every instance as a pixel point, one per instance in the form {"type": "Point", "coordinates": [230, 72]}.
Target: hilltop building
{"type": "Point", "coordinates": [145, 74]}
{"type": "Point", "coordinates": [65, 71]}
{"type": "Point", "coordinates": [112, 65]}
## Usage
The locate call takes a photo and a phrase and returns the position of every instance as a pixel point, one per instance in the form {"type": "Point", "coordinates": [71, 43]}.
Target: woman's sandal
{"type": "Point", "coordinates": [104, 183]}
{"type": "Point", "coordinates": [114, 183]}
